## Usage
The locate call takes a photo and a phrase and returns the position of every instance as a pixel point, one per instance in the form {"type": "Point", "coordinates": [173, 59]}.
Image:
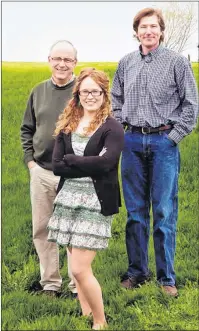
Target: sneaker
{"type": "Point", "coordinates": [134, 281]}
{"type": "Point", "coordinates": [170, 290]}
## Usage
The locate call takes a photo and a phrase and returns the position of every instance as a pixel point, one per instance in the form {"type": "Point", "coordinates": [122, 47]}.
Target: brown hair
{"type": "Point", "coordinates": [69, 119]}
{"type": "Point", "coordinates": [149, 12]}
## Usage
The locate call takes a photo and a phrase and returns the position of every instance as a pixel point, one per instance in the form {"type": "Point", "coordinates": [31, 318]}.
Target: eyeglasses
{"type": "Point", "coordinates": [65, 59]}
{"type": "Point", "coordinates": [94, 93]}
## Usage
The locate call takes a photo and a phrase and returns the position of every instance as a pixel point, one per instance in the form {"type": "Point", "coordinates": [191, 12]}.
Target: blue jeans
{"type": "Point", "coordinates": [150, 167]}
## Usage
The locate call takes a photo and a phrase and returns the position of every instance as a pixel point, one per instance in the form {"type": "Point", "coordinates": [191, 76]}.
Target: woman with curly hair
{"type": "Point", "coordinates": [86, 156]}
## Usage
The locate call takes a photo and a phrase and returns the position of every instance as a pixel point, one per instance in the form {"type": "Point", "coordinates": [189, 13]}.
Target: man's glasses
{"type": "Point", "coordinates": [60, 59]}
{"type": "Point", "coordinates": [94, 93]}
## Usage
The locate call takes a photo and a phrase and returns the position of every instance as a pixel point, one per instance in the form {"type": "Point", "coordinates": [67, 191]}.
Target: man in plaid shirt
{"type": "Point", "coordinates": [154, 96]}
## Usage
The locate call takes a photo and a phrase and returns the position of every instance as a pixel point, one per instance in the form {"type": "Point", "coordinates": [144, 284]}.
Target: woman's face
{"type": "Point", "coordinates": [92, 101]}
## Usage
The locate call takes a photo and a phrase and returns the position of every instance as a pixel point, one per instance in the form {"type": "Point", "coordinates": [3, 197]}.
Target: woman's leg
{"type": "Point", "coordinates": [86, 310]}
{"type": "Point", "coordinates": [88, 285]}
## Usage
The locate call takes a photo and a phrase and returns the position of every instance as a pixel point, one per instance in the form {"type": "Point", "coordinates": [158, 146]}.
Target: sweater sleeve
{"type": "Point", "coordinates": [59, 166]}
{"type": "Point", "coordinates": [28, 129]}
{"type": "Point", "coordinates": [96, 165]}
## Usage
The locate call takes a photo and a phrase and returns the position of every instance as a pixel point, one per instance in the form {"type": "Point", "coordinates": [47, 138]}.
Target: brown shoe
{"type": "Point", "coordinates": [133, 282]}
{"type": "Point", "coordinates": [170, 290]}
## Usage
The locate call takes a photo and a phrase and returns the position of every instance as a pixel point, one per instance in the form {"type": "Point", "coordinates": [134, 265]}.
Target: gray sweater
{"type": "Point", "coordinates": [45, 104]}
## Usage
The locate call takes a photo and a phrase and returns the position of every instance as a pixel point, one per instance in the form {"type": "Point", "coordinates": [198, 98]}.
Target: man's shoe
{"type": "Point", "coordinates": [51, 293]}
{"type": "Point", "coordinates": [74, 296]}
{"type": "Point", "coordinates": [170, 290]}
{"type": "Point", "coordinates": [133, 281]}
{"type": "Point", "coordinates": [35, 287]}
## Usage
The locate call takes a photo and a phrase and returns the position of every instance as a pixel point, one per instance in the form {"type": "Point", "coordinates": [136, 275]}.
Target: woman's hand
{"type": "Point", "coordinates": [103, 151]}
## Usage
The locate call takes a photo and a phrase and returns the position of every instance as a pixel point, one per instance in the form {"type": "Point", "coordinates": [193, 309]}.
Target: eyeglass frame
{"type": "Point", "coordinates": [62, 59]}
{"type": "Point", "coordinates": [90, 92]}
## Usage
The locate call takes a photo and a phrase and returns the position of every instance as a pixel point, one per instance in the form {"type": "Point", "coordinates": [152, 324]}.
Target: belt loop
{"type": "Point", "coordinates": [143, 132]}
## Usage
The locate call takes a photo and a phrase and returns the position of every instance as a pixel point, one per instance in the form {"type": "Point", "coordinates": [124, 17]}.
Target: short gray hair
{"type": "Point", "coordinates": [64, 42]}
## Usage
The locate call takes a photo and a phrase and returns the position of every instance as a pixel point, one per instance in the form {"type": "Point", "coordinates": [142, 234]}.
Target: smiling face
{"type": "Point", "coordinates": [62, 62]}
{"type": "Point", "coordinates": [149, 33]}
{"type": "Point", "coordinates": [91, 102]}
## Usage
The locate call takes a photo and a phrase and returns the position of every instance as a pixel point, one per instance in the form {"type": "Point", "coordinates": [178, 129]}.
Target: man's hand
{"type": "Point", "coordinates": [31, 164]}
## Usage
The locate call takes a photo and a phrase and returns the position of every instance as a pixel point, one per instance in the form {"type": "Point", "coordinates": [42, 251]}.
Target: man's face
{"type": "Point", "coordinates": [62, 62]}
{"type": "Point", "coordinates": [149, 32]}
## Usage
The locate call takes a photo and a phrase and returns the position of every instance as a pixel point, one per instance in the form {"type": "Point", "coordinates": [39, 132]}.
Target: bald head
{"type": "Point", "coordinates": [62, 60]}
{"type": "Point", "coordinates": [63, 45]}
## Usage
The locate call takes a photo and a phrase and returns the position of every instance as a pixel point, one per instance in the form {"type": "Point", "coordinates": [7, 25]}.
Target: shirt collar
{"type": "Point", "coordinates": [72, 78]}
{"type": "Point", "coordinates": [154, 53]}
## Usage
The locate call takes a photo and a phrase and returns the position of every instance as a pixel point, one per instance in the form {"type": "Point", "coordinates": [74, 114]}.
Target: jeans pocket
{"type": "Point", "coordinates": [172, 142]}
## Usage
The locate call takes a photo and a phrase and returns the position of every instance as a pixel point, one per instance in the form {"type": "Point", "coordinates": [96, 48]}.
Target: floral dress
{"type": "Point", "coordinates": [77, 220]}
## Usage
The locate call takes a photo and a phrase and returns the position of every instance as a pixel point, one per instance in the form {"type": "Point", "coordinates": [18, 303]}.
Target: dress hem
{"type": "Point", "coordinates": [76, 246]}
{"type": "Point", "coordinates": [78, 233]}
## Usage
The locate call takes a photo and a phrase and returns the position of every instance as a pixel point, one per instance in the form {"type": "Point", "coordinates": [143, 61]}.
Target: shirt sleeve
{"type": "Point", "coordinates": [117, 92]}
{"type": "Point", "coordinates": [189, 100]}
{"type": "Point", "coordinates": [97, 165]}
{"type": "Point", "coordinates": [28, 128]}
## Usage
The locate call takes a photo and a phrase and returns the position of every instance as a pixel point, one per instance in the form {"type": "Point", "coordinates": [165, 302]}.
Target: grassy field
{"type": "Point", "coordinates": [146, 308]}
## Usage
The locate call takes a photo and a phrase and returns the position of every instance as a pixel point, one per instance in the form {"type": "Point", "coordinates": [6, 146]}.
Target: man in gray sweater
{"type": "Point", "coordinates": [46, 102]}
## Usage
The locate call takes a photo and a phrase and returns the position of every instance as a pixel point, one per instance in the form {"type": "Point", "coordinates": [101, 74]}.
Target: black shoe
{"type": "Point", "coordinates": [134, 281]}
{"type": "Point", "coordinates": [51, 293]}
{"type": "Point", "coordinates": [35, 287]}
{"type": "Point", "coordinates": [74, 296]}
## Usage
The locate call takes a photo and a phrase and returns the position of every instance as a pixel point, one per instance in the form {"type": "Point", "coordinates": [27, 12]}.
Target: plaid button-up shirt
{"type": "Point", "coordinates": [156, 89]}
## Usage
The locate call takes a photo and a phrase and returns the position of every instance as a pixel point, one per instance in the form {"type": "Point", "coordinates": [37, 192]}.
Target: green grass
{"type": "Point", "coordinates": [146, 308]}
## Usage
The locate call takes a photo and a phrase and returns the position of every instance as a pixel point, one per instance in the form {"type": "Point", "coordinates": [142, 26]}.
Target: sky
{"type": "Point", "coordinates": [100, 31]}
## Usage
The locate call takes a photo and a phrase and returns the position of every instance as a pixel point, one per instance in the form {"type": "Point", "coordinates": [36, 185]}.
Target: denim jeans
{"type": "Point", "coordinates": [150, 167]}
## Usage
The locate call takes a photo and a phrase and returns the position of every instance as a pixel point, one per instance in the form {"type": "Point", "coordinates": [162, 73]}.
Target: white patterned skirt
{"type": "Point", "coordinates": [76, 220]}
